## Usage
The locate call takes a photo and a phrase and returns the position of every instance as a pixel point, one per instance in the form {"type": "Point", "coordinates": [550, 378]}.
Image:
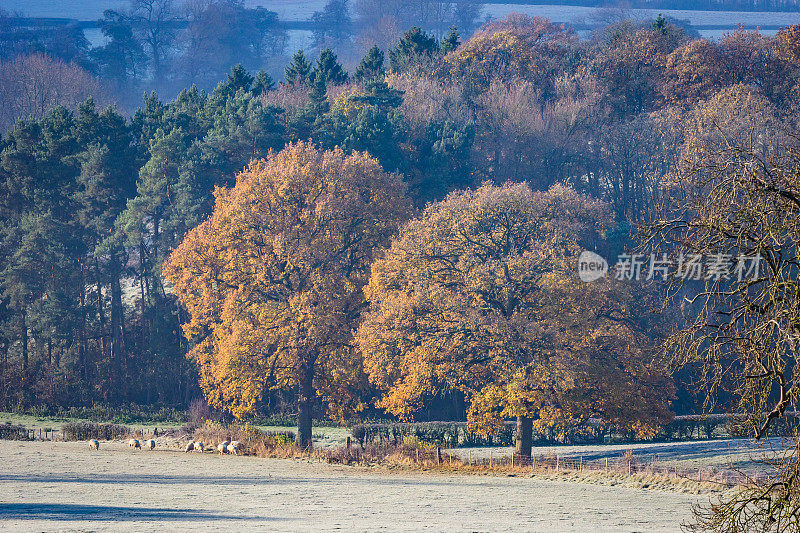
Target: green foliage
{"type": "Point", "coordinates": [444, 159]}
{"type": "Point", "coordinates": [450, 41]}
{"type": "Point", "coordinates": [299, 70]}
{"type": "Point", "coordinates": [414, 44]}
{"type": "Point", "coordinates": [328, 69]}
{"type": "Point", "coordinates": [459, 435]}
{"type": "Point", "coordinates": [238, 80]}
{"type": "Point", "coordinates": [376, 129]}
{"type": "Point", "coordinates": [122, 58]}
{"type": "Point", "coordinates": [371, 66]}
{"type": "Point", "coordinates": [262, 83]}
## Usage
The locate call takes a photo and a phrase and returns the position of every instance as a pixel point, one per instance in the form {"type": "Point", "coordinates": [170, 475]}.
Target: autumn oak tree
{"type": "Point", "coordinates": [273, 279]}
{"type": "Point", "coordinates": [481, 294]}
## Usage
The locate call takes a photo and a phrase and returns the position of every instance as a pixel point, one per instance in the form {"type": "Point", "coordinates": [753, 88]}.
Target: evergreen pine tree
{"type": "Point", "coordinates": [299, 70]}
{"type": "Point", "coordinates": [262, 84]}
{"type": "Point", "coordinates": [450, 41]}
{"type": "Point", "coordinates": [371, 66]}
{"type": "Point", "coordinates": [413, 43]}
{"type": "Point", "coordinates": [329, 69]}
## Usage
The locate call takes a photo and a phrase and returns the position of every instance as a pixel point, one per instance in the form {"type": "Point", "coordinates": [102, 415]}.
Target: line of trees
{"type": "Point", "coordinates": [162, 45]}
{"type": "Point", "coordinates": [167, 45]}
{"type": "Point", "coordinates": [93, 203]}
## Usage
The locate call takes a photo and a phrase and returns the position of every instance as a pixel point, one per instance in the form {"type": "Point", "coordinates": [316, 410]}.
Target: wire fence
{"type": "Point", "coordinates": [72, 433]}
{"type": "Point", "coordinates": [626, 464]}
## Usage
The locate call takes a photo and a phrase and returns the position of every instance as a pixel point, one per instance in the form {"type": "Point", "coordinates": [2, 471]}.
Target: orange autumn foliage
{"type": "Point", "coordinates": [516, 48]}
{"type": "Point", "coordinates": [273, 279]}
{"type": "Point", "coordinates": [481, 294]}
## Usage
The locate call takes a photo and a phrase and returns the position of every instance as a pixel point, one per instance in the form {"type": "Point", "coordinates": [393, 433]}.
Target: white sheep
{"type": "Point", "coordinates": [223, 447]}
{"type": "Point", "coordinates": [189, 447]}
{"type": "Point", "coordinates": [235, 443]}
{"type": "Point", "coordinates": [94, 444]}
{"type": "Point", "coordinates": [233, 450]}
{"type": "Point", "coordinates": [199, 446]}
{"type": "Point", "coordinates": [150, 444]}
{"type": "Point", "coordinates": [135, 444]}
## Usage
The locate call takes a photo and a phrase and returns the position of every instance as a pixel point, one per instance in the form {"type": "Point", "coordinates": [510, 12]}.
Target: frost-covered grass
{"type": "Point", "coordinates": [50, 486]}
{"type": "Point", "coordinates": [592, 15]}
{"type": "Point", "coordinates": [720, 454]}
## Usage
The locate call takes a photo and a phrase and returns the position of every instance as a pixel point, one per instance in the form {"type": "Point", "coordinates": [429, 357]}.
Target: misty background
{"type": "Point", "coordinates": [117, 50]}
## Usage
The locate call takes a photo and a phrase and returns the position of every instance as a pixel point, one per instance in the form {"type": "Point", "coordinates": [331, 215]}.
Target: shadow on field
{"type": "Point", "coordinates": [160, 479]}
{"type": "Point", "coordinates": [137, 479]}
{"type": "Point", "coordinates": [70, 511]}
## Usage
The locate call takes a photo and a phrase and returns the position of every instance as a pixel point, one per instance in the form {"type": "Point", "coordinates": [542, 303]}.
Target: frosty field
{"type": "Point", "coordinates": [57, 486]}
{"type": "Point", "coordinates": [303, 9]}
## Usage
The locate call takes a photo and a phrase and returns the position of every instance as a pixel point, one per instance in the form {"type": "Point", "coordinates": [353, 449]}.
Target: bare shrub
{"type": "Point", "coordinates": [9, 431]}
{"type": "Point", "coordinates": [87, 430]}
{"type": "Point", "coordinates": [31, 85]}
{"type": "Point", "coordinates": [290, 98]}
{"type": "Point", "coordinates": [252, 440]}
{"type": "Point", "coordinates": [427, 99]}
{"type": "Point", "coordinates": [199, 411]}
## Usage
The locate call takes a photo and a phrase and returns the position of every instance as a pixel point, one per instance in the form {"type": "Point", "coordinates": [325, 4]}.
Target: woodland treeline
{"type": "Point", "coordinates": [169, 45]}
{"type": "Point", "coordinates": [94, 202]}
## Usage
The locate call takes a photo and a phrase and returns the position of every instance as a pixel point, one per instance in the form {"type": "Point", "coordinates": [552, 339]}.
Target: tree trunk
{"type": "Point", "coordinates": [24, 333]}
{"type": "Point", "coordinates": [117, 319]}
{"type": "Point", "coordinates": [3, 370]}
{"type": "Point", "coordinates": [305, 404]}
{"type": "Point", "coordinates": [524, 440]}
{"type": "Point", "coordinates": [82, 341]}
{"type": "Point", "coordinates": [101, 312]}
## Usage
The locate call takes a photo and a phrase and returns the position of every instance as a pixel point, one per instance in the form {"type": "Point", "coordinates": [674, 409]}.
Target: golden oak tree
{"type": "Point", "coordinates": [693, 71]}
{"type": "Point", "coordinates": [273, 279]}
{"type": "Point", "coordinates": [518, 47]}
{"type": "Point", "coordinates": [481, 294]}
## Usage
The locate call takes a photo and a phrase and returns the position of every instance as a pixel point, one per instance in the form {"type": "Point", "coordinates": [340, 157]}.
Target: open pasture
{"type": "Point", "coordinates": [57, 486]}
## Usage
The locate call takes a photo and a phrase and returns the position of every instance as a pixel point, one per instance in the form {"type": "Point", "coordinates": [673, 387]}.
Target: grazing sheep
{"type": "Point", "coordinates": [235, 443]}
{"type": "Point", "coordinates": [189, 447]}
{"type": "Point", "coordinates": [233, 450]}
{"type": "Point", "coordinates": [150, 444]}
{"type": "Point", "coordinates": [94, 444]}
{"type": "Point", "coordinates": [223, 447]}
{"type": "Point", "coordinates": [134, 443]}
{"type": "Point", "coordinates": [199, 446]}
